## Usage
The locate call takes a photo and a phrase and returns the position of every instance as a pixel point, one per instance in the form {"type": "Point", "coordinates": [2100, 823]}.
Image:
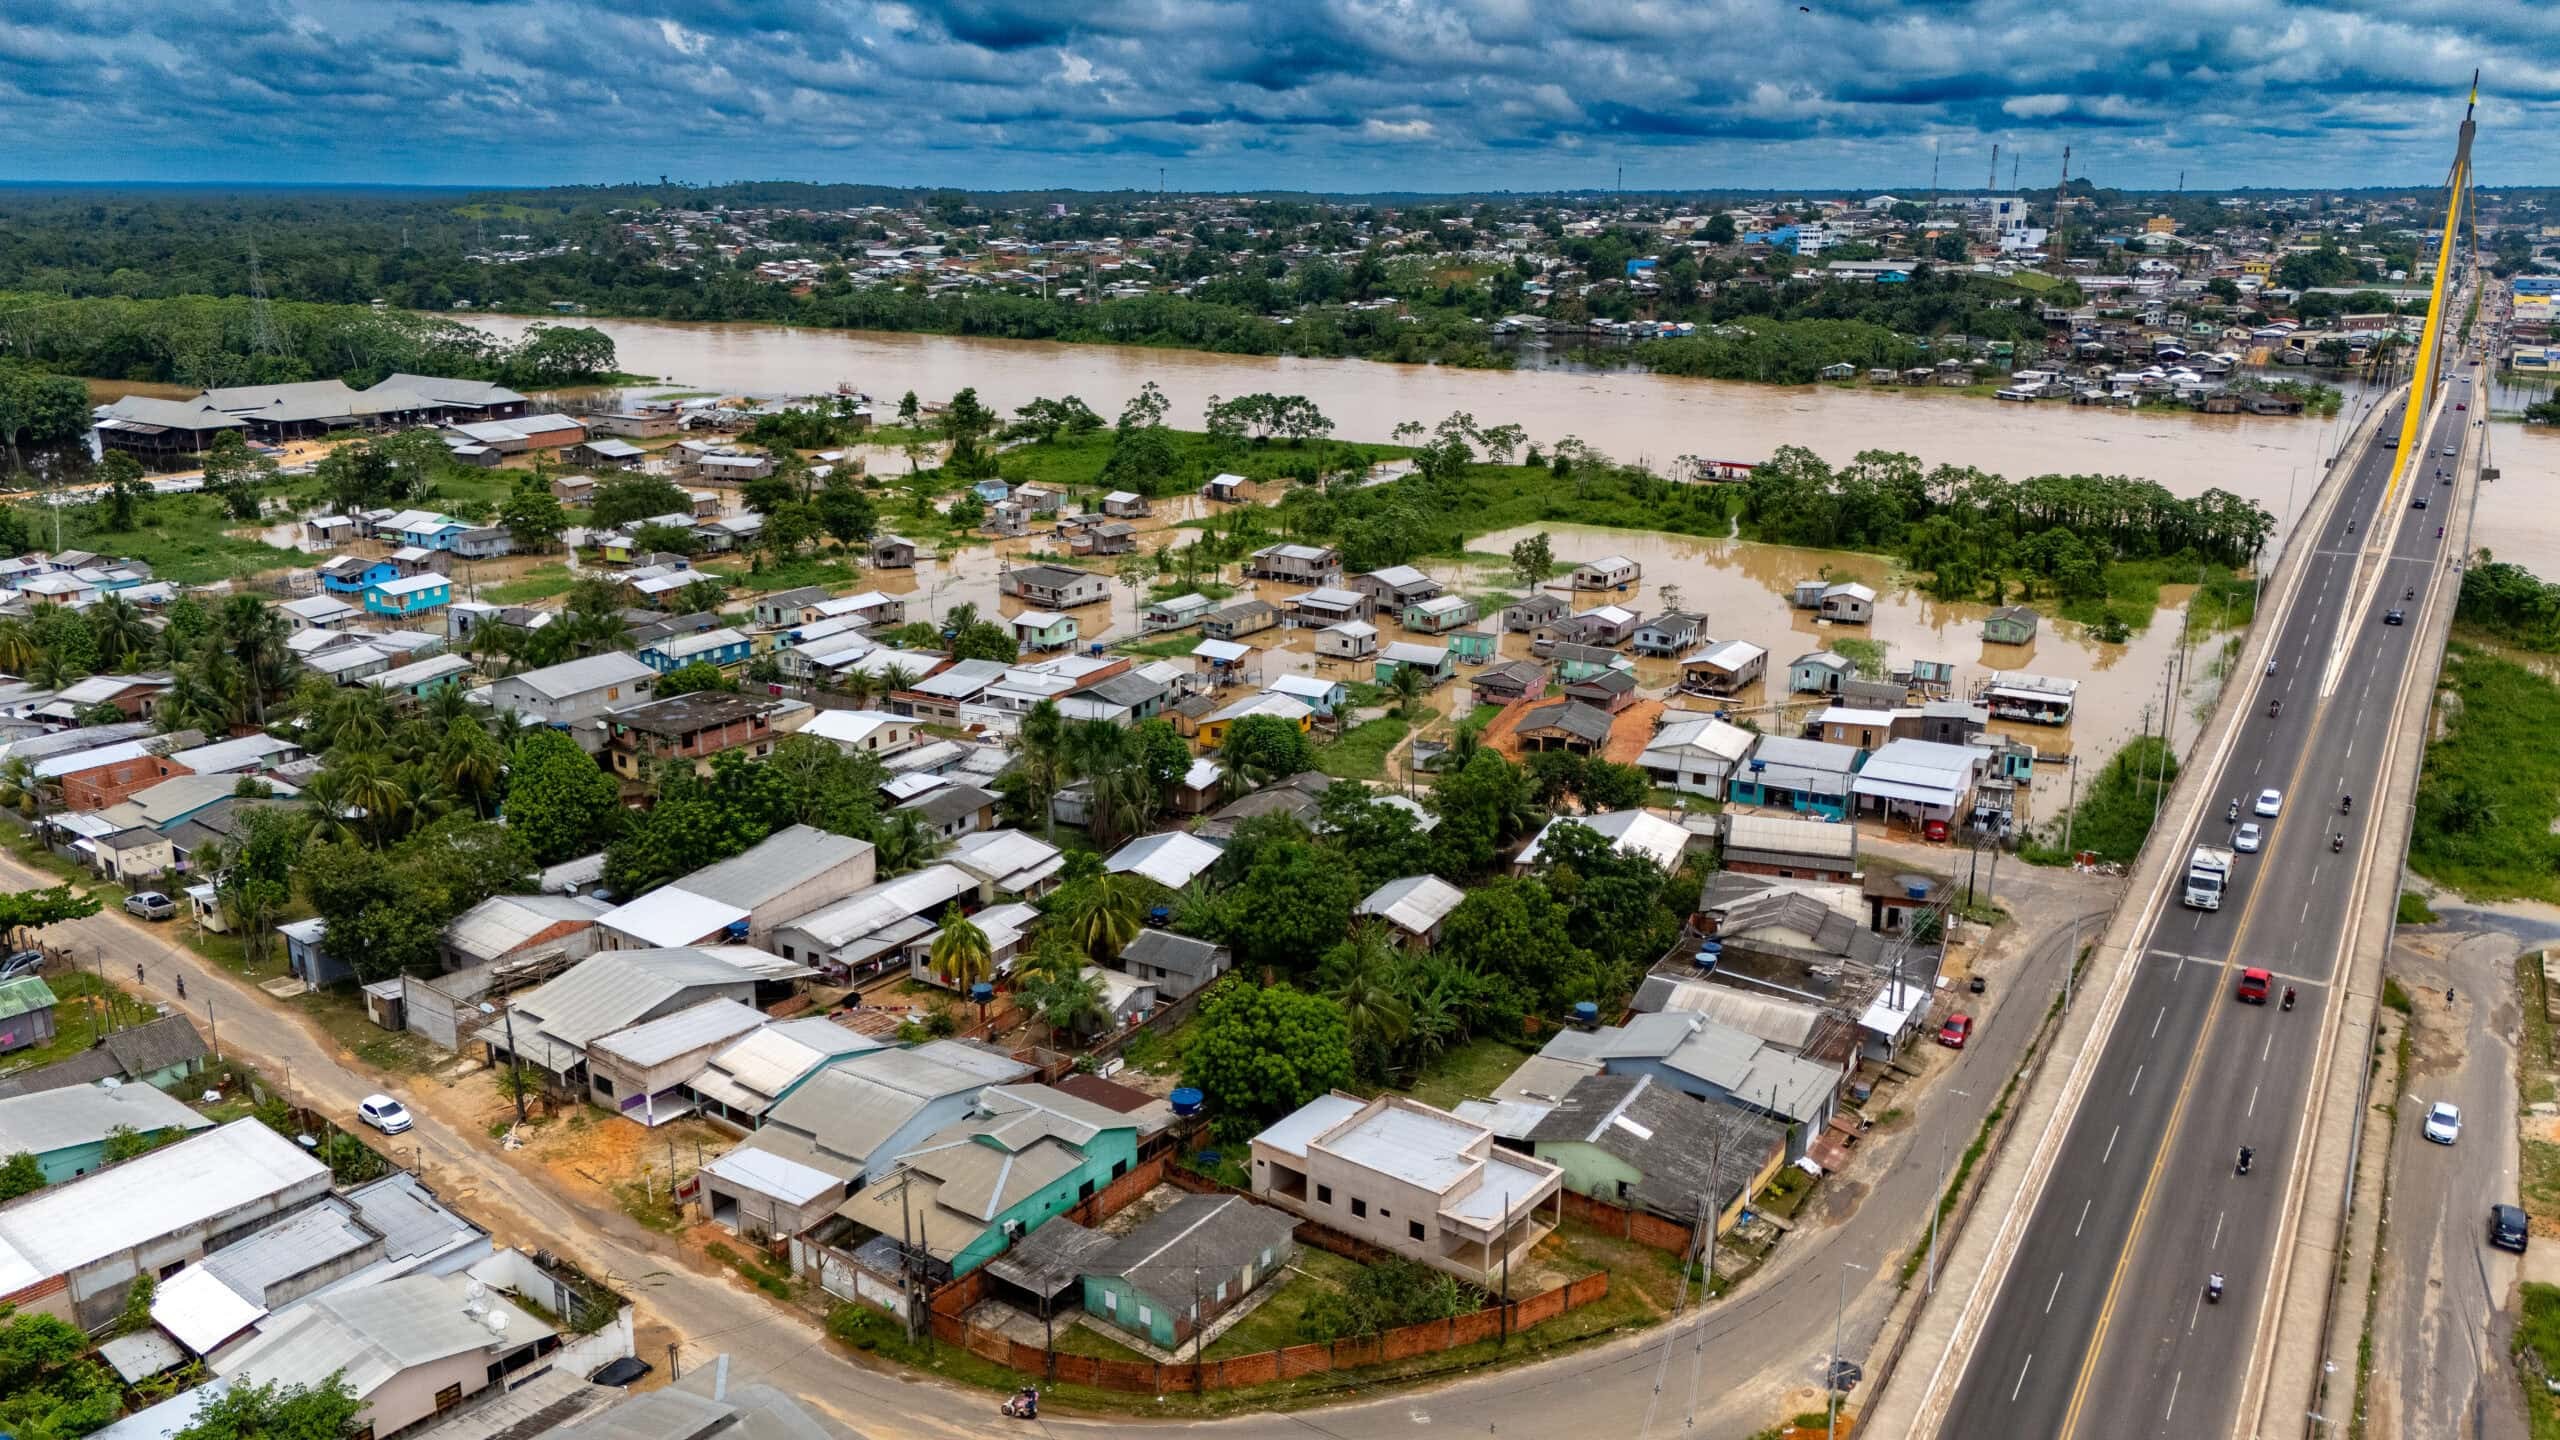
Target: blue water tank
{"type": "Point", "coordinates": [1186, 1100]}
{"type": "Point", "coordinates": [738, 929]}
{"type": "Point", "coordinates": [1917, 890]}
{"type": "Point", "coordinates": [1586, 1013]}
{"type": "Point", "coordinates": [982, 992]}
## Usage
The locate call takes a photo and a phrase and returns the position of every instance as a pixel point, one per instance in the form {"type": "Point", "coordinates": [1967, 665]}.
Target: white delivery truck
{"type": "Point", "coordinates": [2208, 875]}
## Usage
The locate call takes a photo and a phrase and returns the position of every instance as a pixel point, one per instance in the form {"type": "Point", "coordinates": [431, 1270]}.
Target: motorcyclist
{"type": "Point", "coordinates": [2213, 1286]}
{"type": "Point", "coordinates": [2346, 803]}
{"type": "Point", "coordinates": [2274, 708]}
{"type": "Point", "coordinates": [2233, 813]}
{"type": "Point", "coordinates": [2288, 997]}
{"type": "Point", "coordinates": [2245, 1155]}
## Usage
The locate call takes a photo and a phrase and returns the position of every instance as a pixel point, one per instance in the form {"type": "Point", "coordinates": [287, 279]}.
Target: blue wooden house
{"type": "Point", "coordinates": [723, 647]}
{"type": "Point", "coordinates": [410, 595]}
{"type": "Point", "coordinates": [1432, 660]}
{"type": "Point", "coordinates": [350, 575]}
{"type": "Point", "coordinates": [1818, 673]}
{"type": "Point", "coordinates": [992, 491]}
{"type": "Point", "coordinates": [306, 952]}
{"type": "Point", "coordinates": [1470, 647]}
{"type": "Point", "coordinates": [428, 530]}
{"type": "Point", "coordinates": [1809, 777]}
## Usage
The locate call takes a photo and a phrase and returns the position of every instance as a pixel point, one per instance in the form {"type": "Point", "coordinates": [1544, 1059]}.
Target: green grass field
{"type": "Point", "coordinates": [2490, 789]}
{"type": "Point", "coordinates": [181, 537]}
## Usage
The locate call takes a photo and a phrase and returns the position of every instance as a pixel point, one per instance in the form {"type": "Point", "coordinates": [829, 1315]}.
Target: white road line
{"type": "Point", "coordinates": [2137, 1080]}
{"type": "Point", "coordinates": [2306, 913]}
{"type": "Point", "coordinates": [2084, 1217]}
{"type": "Point", "coordinates": [2266, 1049]}
{"type": "Point", "coordinates": [2111, 1148]}
{"type": "Point", "coordinates": [2173, 1389]}
{"type": "Point", "coordinates": [2022, 1379]}
{"type": "Point", "coordinates": [2253, 1100]}
{"type": "Point", "coordinates": [2217, 1231]}
{"type": "Point", "coordinates": [2155, 1021]}
{"type": "Point", "coordinates": [2057, 1290]}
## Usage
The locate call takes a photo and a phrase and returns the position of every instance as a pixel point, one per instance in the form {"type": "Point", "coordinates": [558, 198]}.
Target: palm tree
{"type": "Point", "coordinates": [960, 952]}
{"type": "Point", "coordinates": [1102, 915]}
{"type": "Point", "coordinates": [903, 843]}
{"type": "Point", "coordinates": [356, 717]}
{"type": "Point", "coordinates": [1407, 684]}
{"type": "Point", "coordinates": [445, 704]}
{"type": "Point", "coordinates": [471, 764]}
{"type": "Point", "coordinates": [324, 800]}
{"type": "Point", "coordinates": [1362, 980]}
{"type": "Point", "coordinates": [51, 671]}
{"type": "Point", "coordinates": [860, 686]}
{"type": "Point", "coordinates": [1041, 744]}
{"type": "Point", "coordinates": [18, 777]}
{"type": "Point", "coordinates": [894, 678]}
{"type": "Point", "coordinates": [255, 634]}
{"type": "Point", "coordinates": [1073, 1005]}
{"type": "Point", "coordinates": [17, 645]}
{"type": "Point", "coordinates": [376, 790]}
{"type": "Point", "coordinates": [120, 630]}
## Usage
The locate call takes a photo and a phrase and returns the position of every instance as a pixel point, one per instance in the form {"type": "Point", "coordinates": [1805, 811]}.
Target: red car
{"type": "Point", "coordinates": [2460, 405]}
{"type": "Point", "coordinates": [1957, 1030]}
{"type": "Point", "coordinates": [2253, 986]}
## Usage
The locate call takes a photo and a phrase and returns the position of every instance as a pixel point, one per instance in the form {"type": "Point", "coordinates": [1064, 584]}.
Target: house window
{"type": "Point", "coordinates": [1221, 1296]}
{"type": "Point", "coordinates": [1111, 1301]}
{"type": "Point", "coordinates": [1085, 1191]}
{"type": "Point", "coordinates": [1324, 1194]}
{"type": "Point", "coordinates": [1413, 1228]}
{"type": "Point", "coordinates": [448, 1398]}
{"type": "Point", "coordinates": [1119, 1168]}
{"type": "Point", "coordinates": [1266, 1257]}
{"type": "Point", "coordinates": [603, 1086]}
{"type": "Point", "coordinates": [1360, 1208]}
{"type": "Point", "coordinates": [1146, 1316]}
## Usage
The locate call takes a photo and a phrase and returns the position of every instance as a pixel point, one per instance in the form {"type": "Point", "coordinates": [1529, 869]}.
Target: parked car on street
{"type": "Point", "coordinates": [383, 1113]}
{"type": "Point", "coordinates": [150, 905]}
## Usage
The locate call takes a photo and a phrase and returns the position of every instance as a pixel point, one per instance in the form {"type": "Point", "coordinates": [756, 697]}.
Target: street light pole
{"type": "Point", "coordinates": [1946, 1165]}
{"type": "Point", "coordinates": [1831, 1375]}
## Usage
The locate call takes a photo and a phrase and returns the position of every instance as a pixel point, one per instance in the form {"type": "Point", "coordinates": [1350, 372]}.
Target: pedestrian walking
{"type": "Point", "coordinates": [182, 987]}
{"type": "Point", "coordinates": [137, 973]}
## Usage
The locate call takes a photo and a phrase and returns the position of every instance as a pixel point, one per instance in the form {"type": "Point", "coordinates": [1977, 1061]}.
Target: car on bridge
{"type": "Point", "coordinates": [2444, 1122]}
{"type": "Point", "coordinates": [2253, 986]}
{"type": "Point", "coordinates": [2418, 504]}
{"type": "Point", "coordinates": [2270, 803]}
{"type": "Point", "coordinates": [2247, 839]}
{"type": "Point", "coordinates": [2394, 617]}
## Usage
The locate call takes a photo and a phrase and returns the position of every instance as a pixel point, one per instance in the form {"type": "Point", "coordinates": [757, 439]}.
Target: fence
{"type": "Point", "coordinates": [1639, 1226]}
{"type": "Point", "coordinates": [1495, 1321]}
{"type": "Point", "coordinates": [1405, 1342]}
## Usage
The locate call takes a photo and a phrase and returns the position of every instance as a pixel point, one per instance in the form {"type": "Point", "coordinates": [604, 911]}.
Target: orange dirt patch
{"type": "Point", "coordinates": [1499, 733]}
{"type": "Point", "coordinates": [1631, 730]}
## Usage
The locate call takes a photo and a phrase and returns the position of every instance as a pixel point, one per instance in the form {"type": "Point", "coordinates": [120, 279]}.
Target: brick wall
{"type": "Point", "coordinates": [1637, 1225]}
{"type": "Point", "coordinates": [114, 784]}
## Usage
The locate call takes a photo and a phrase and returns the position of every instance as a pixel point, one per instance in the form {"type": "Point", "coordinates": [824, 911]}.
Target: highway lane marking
{"type": "Point", "coordinates": [2268, 1048]}
{"type": "Point", "coordinates": [2306, 913]}
{"type": "Point", "coordinates": [2137, 1080]}
{"type": "Point", "coordinates": [2217, 1230]}
{"type": "Point", "coordinates": [2156, 1019]}
{"type": "Point", "coordinates": [2111, 1151]}
{"type": "Point", "coordinates": [2173, 1388]}
{"type": "Point", "coordinates": [2084, 1216]}
{"type": "Point", "coordinates": [2057, 1290]}
{"type": "Point", "coordinates": [2022, 1378]}
{"type": "Point", "coordinates": [2253, 1099]}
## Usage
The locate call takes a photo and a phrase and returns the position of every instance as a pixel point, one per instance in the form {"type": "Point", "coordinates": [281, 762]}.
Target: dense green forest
{"type": "Point", "coordinates": [414, 250]}
{"type": "Point", "coordinates": [198, 341]}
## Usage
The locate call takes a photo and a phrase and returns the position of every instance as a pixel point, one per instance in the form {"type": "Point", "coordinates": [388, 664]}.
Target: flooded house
{"type": "Point", "coordinates": [1724, 668]}
{"type": "Point", "coordinates": [1609, 572]}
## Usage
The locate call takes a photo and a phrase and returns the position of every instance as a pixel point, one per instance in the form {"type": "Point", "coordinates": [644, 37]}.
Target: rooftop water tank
{"type": "Point", "coordinates": [1186, 1100]}
{"type": "Point", "coordinates": [982, 992]}
{"type": "Point", "coordinates": [1586, 1013]}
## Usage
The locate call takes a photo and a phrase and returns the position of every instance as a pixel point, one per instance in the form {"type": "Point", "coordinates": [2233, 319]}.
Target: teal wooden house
{"type": "Point", "coordinates": [973, 1188]}
{"type": "Point", "coordinates": [1470, 647]}
{"type": "Point", "coordinates": [69, 1130]}
{"type": "Point", "coordinates": [1188, 1264]}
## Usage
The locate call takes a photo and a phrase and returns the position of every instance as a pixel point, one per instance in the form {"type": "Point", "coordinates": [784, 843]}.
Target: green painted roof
{"type": "Point", "coordinates": [25, 995]}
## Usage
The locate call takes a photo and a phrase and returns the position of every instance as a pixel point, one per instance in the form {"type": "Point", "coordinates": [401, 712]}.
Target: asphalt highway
{"type": "Point", "coordinates": [2101, 1327]}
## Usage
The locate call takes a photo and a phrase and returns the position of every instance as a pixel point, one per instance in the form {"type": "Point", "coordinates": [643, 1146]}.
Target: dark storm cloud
{"type": "Point", "coordinates": [1345, 94]}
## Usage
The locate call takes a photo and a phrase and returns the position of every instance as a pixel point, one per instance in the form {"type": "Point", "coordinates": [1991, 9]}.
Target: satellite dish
{"type": "Point", "coordinates": [496, 1320]}
{"type": "Point", "coordinates": [475, 1299]}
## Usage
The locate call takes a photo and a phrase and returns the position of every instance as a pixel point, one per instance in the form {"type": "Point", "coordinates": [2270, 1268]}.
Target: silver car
{"type": "Point", "coordinates": [2444, 1122]}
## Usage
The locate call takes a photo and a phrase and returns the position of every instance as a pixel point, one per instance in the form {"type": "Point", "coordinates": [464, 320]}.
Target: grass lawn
{"type": "Point", "coordinates": [1164, 647]}
{"type": "Point", "coordinates": [1469, 1072]}
{"type": "Point", "coordinates": [539, 583]}
{"type": "Point", "coordinates": [1361, 753]}
{"type": "Point", "coordinates": [1072, 1338]}
{"type": "Point", "coordinates": [2490, 789]}
{"type": "Point", "coordinates": [790, 575]}
{"type": "Point", "coordinates": [85, 1008]}
{"type": "Point", "coordinates": [341, 1013]}
{"type": "Point", "coordinates": [181, 537]}
{"type": "Point", "coordinates": [1274, 1323]}
{"type": "Point", "coordinates": [2537, 1351]}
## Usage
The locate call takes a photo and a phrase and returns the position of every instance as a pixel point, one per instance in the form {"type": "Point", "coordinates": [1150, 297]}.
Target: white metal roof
{"type": "Point", "coordinates": [1629, 832]}
{"type": "Point", "coordinates": [1405, 652]}
{"type": "Point", "coordinates": [1171, 859]}
{"type": "Point", "coordinates": [671, 915]}
{"type": "Point", "coordinates": [1222, 650]}
{"type": "Point", "coordinates": [1413, 904]}
{"type": "Point", "coordinates": [48, 1120]}
{"type": "Point", "coordinates": [877, 907]}
{"type": "Point", "coordinates": [654, 1042]}
{"type": "Point", "coordinates": [66, 1226]}
{"type": "Point", "coordinates": [411, 584]}
{"type": "Point", "coordinates": [1705, 735]}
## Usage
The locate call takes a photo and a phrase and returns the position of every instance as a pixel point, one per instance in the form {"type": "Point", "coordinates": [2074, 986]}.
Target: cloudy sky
{"type": "Point", "coordinates": [1315, 94]}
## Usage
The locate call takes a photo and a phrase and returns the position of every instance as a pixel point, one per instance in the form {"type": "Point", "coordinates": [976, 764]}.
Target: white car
{"type": "Point", "coordinates": [2444, 1122]}
{"type": "Point", "coordinates": [383, 1113]}
{"type": "Point", "coordinates": [2247, 838]}
{"type": "Point", "coordinates": [2270, 803]}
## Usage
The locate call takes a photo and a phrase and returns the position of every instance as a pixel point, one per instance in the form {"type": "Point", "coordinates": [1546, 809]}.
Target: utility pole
{"type": "Point", "coordinates": [1994, 182]}
{"type": "Point", "coordinates": [1946, 1164]}
{"type": "Point", "coordinates": [1831, 1376]}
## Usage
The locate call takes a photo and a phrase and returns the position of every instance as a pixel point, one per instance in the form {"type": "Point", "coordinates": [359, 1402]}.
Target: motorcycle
{"type": "Point", "coordinates": [2213, 1288]}
{"type": "Point", "coordinates": [2271, 667]}
{"type": "Point", "coordinates": [2346, 803]}
{"type": "Point", "coordinates": [2409, 594]}
{"type": "Point", "coordinates": [2232, 815]}
{"type": "Point", "coordinates": [2274, 708]}
{"type": "Point", "coordinates": [1024, 1405]}
{"type": "Point", "coordinates": [2337, 843]}
{"type": "Point", "coordinates": [2288, 997]}
{"type": "Point", "coordinates": [2244, 1160]}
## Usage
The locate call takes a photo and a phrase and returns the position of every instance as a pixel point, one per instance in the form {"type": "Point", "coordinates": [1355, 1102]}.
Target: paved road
{"type": "Point", "coordinates": [2441, 1320]}
{"type": "Point", "coordinates": [2100, 1326]}
{"type": "Point", "coordinates": [1726, 1377]}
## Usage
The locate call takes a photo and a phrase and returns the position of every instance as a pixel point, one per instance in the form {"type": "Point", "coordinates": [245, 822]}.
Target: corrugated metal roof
{"type": "Point", "coordinates": [373, 1333]}
{"type": "Point", "coordinates": [52, 1120]}
{"type": "Point", "coordinates": [654, 1042]}
{"type": "Point", "coordinates": [301, 1241]}
{"type": "Point", "coordinates": [672, 915]}
{"type": "Point", "coordinates": [781, 862]}
{"type": "Point", "coordinates": [63, 1227]}
{"type": "Point", "coordinates": [1170, 859]}
{"type": "Point", "coordinates": [502, 922]}
{"type": "Point", "coordinates": [766, 1062]}
{"type": "Point", "coordinates": [877, 907]}
{"type": "Point", "coordinates": [412, 1220]}
{"type": "Point", "coordinates": [1413, 904]}
{"type": "Point", "coordinates": [611, 991]}
{"type": "Point", "coordinates": [577, 677]}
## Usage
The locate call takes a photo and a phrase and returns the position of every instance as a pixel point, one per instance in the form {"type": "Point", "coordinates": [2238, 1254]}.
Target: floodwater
{"type": "Point", "coordinates": [1627, 414]}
